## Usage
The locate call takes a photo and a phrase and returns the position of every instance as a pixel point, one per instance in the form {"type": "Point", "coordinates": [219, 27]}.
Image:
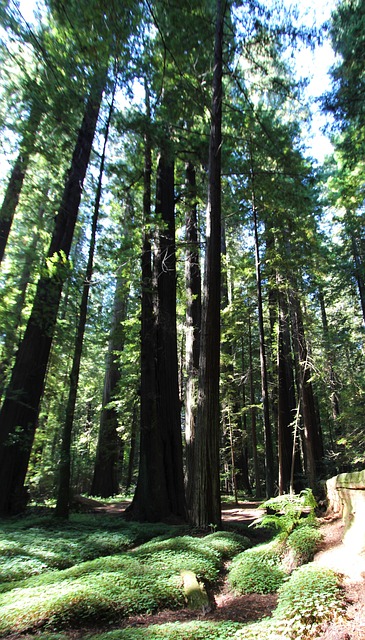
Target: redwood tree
{"type": "Point", "coordinates": [205, 507]}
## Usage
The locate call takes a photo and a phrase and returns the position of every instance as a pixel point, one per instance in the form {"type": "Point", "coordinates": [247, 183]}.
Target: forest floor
{"type": "Point", "coordinates": [334, 554]}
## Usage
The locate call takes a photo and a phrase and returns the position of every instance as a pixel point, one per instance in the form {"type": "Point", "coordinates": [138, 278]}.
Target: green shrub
{"type": "Point", "coordinates": [287, 511]}
{"type": "Point", "coordinates": [228, 544]}
{"type": "Point", "coordinates": [304, 541]}
{"type": "Point", "coordinates": [100, 596]}
{"type": "Point", "coordinates": [310, 597]}
{"type": "Point", "coordinates": [30, 546]}
{"type": "Point", "coordinates": [195, 630]}
{"type": "Point", "coordinates": [257, 570]}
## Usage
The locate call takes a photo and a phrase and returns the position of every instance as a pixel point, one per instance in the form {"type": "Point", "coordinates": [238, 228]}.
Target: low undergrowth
{"type": "Point", "coordinates": [96, 570]}
{"type": "Point", "coordinates": [103, 590]}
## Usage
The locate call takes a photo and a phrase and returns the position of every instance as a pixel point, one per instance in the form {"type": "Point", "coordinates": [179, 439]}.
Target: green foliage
{"type": "Point", "coordinates": [257, 570]}
{"type": "Point", "coordinates": [195, 630]}
{"type": "Point", "coordinates": [31, 546]}
{"type": "Point", "coordinates": [201, 555]}
{"type": "Point", "coordinates": [304, 542]}
{"type": "Point", "coordinates": [228, 544]}
{"type": "Point", "coordinates": [288, 509]}
{"type": "Point", "coordinates": [309, 598]}
{"type": "Point", "coordinates": [104, 588]}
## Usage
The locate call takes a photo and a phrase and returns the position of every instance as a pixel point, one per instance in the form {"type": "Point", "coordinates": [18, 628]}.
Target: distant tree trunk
{"type": "Point", "coordinates": [19, 413]}
{"type": "Point", "coordinates": [359, 273]}
{"type": "Point", "coordinates": [269, 454]}
{"type": "Point", "coordinates": [333, 382]}
{"type": "Point", "coordinates": [132, 449]}
{"type": "Point", "coordinates": [205, 507]}
{"type": "Point", "coordinates": [286, 396]}
{"type": "Point", "coordinates": [246, 485]}
{"type": "Point", "coordinates": [64, 481]}
{"type": "Point", "coordinates": [313, 445]}
{"type": "Point", "coordinates": [255, 457]}
{"type": "Point", "coordinates": [107, 472]}
{"type": "Point", "coordinates": [13, 190]}
{"type": "Point", "coordinates": [193, 323]}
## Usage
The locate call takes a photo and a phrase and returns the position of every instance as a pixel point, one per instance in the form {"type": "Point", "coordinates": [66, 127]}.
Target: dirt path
{"type": "Point", "coordinates": [345, 560]}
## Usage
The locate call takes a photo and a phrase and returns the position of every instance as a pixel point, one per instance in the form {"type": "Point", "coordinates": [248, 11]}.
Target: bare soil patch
{"type": "Point", "coordinates": [351, 565]}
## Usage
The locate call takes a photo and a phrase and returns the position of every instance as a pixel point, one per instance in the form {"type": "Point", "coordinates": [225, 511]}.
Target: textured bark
{"type": "Point", "coordinates": [193, 323]}
{"type": "Point", "coordinates": [64, 482]}
{"type": "Point", "coordinates": [19, 413]}
{"type": "Point", "coordinates": [160, 487]}
{"type": "Point", "coordinates": [13, 190]}
{"type": "Point", "coordinates": [205, 508]}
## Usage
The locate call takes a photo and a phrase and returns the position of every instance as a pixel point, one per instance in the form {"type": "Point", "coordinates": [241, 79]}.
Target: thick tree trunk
{"type": "Point", "coordinates": [168, 400]}
{"type": "Point", "coordinates": [13, 190]}
{"type": "Point", "coordinates": [160, 491]}
{"type": "Point", "coordinates": [64, 482]}
{"type": "Point", "coordinates": [19, 413]}
{"type": "Point", "coordinates": [205, 508]}
{"type": "Point", "coordinates": [193, 323]}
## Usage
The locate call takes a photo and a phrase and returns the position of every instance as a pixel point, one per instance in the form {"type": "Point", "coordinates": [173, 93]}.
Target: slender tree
{"type": "Point", "coordinates": [64, 484]}
{"type": "Point", "coordinates": [19, 413]}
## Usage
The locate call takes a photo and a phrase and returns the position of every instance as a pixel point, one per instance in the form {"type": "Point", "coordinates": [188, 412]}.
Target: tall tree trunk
{"type": "Point", "coordinates": [269, 454]}
{"type": "Point", "coordinates": [193, 323]}
{"type": "Point", "coordinates": [13, 190]}
{"type": "Point", "coordinates": [106, 478]}
{"type": "Point", "coordinates": [333, 382]}
{"type": "Point", "coordinates": [205, 507]}
{"type": "Point", "coordinates": [286, 396]}
{"type": "Point", "coordinates": [255, 457]}
{"type": "Point", "coordinates": [63, 495]}
{"type": "Point", "coordinates": [19, 413]}
{"type": "Point", "coordinates": [12, 335]}
{"type": "Point", "coordinates": [246, 485]}
{"type": "Point", "coordinates": [313, 445]}
{"type": "Point", "coordinates": [143, 504]}
{"type": "Point", "coordinates": [168, 399]}
{"type": "Point", "coordinates": [160, 490]}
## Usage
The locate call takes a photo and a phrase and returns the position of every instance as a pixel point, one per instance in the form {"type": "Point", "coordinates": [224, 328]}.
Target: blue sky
{"type": "Point", "coordinates": [314, 65]}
